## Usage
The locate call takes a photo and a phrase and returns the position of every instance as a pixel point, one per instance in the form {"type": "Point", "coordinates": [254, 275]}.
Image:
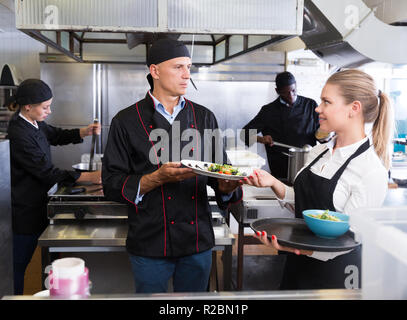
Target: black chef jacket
{"type": "Point", "coordinates": [294, 126]}
{"type": "Point", "coordinates": [173, 220]}
{"type": "Point", "coordinates": [32, 171]}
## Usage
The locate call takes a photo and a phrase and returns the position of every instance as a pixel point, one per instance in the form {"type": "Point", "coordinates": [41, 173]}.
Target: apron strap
{"type": "Point", "coordinates": [358, 152]}
{"type": "Point", "coordinates": [316, 159]}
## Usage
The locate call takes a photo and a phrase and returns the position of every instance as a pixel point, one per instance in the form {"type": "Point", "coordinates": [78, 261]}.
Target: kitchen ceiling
{"type": "Point", "coordinates": [108, 32]}
{"type": "Point", "coordinates": [7, 19]}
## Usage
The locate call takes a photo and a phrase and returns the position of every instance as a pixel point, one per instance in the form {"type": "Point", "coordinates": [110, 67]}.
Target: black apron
{"type": "Point", "coordinates": [302, 272]}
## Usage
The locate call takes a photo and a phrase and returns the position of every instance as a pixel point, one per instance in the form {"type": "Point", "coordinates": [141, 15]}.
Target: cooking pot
{"type": "Point", "coordinates": [296, 159]}
{"type": "Point", "coordinates": [84, 167]}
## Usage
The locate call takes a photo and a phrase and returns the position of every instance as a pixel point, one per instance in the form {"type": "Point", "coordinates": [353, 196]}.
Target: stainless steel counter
{"type": "Point", "coordinates": [109, 235]}
{"type": "Point", "coordinates": [396, 198]}
{"type": "Point", "coordinates": [333, 294]}
{"type": "Point", "coordinates": [105, 233]}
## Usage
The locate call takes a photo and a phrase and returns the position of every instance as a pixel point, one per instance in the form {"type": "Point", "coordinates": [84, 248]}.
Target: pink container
{"type": "Point", "coordinates": [69, 279]}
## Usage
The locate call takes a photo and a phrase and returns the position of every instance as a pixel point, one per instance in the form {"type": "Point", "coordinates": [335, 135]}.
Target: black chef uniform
{"type": "Point", "coordinates": [294, 126]}
{"type": "Point", "coordinates": [173, 220]}
{"type": "Point", "coordinates": [32, 171]}
{"type": "Point", "coordinates": [303, 272]}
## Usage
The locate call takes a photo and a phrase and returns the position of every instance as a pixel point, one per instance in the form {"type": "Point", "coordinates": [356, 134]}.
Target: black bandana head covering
{"type": "Point", "coordinates": [166, 49]}
{"type": "Point", "coordinates": [32, 91]}
{"type": "Point", "coordinates": [163, 50]}
{"type": "Point", "coordinates": [284, 79]}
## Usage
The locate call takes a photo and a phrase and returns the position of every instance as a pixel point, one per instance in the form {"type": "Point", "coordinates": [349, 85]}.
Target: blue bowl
{"type": "Point", "coordinates": [326, 228]}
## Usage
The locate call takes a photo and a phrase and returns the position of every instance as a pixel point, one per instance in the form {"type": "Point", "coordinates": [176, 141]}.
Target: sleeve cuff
{"type": "Point", "coordinates": [138, 197]}
{"type": "Point", "coordinates": [289, 195]}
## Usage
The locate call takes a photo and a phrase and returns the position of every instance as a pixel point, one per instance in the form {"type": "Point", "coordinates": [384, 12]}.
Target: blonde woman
{"type": "Point", "coordinates": [344, 174]}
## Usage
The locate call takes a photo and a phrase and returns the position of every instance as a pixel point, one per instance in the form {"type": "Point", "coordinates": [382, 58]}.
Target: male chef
{"type": "Point", "coordinates": [170, 231]}
{"type": "Point", "coordinates": [290, 119]}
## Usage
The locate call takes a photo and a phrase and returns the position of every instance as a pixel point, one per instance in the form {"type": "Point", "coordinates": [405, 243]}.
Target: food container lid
{"type": "Point", "coordinates": [68, 268]}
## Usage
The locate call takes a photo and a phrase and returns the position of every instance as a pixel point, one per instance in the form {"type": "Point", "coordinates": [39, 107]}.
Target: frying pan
{"type": "Point", "coordinates": [84, 167]}
{"type": "Point", "coordinates": [399, 176]}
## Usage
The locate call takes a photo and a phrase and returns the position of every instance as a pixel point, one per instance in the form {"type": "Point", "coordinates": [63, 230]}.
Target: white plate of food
{"type": "Point", "coordinates": [215, 170]}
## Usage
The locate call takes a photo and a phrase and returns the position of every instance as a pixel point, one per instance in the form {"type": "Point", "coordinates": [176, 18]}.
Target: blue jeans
{"type": "Point", "coordinates": [23, 249]}
{"type": "Point", "coordinates": [189, 273]}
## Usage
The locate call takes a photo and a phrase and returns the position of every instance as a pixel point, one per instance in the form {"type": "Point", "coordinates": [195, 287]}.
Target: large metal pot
{"type": "Point", "coordinates": [296, 160]}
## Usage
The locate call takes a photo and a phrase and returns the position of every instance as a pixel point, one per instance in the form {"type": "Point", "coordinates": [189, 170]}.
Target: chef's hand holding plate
{"type": "Point", "coordinates": [94, 177]}
{"type": "Point", "coordinates": [262, 236]}
{"type": "Point", "coordinates": [90, 129]}
{"type": "Point", "coordinates": [173, 172]}
{"type": "Point", "coordinates": [167, 173]}
{"type": "Point", "coordinates": [228, 186]}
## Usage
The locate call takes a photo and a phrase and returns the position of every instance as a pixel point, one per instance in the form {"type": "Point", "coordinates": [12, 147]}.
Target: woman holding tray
{"type": "Point", "coordinates": [346, 173]}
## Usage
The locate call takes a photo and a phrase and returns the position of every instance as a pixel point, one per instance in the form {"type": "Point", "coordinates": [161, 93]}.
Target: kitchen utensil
{"type": "Point", "coordinates": [74, 190]}
{"type": "Point", "coordinates": [92, 150]}
{"type": "Point", "coordinates": [279, 144]}
{"type": "Point", "coordinates": [296, 234]}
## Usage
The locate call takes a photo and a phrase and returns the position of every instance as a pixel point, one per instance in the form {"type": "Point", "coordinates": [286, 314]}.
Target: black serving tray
{"type": "Point", "coordinates": [296, 234]}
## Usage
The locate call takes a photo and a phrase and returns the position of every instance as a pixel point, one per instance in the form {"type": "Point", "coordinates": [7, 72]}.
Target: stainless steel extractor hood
{"type": "Point", "coordinates": [348, 34]}
{"type": "Point", "coordinates": [121, 31]}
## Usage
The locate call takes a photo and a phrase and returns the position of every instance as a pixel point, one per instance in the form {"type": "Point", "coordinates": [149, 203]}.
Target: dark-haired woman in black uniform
{"type": "Point", "coordinates": [32, 171]}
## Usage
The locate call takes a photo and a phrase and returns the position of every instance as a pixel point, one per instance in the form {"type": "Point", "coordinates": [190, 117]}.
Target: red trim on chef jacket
{"type": "Point", "coordinates": [125, 196]}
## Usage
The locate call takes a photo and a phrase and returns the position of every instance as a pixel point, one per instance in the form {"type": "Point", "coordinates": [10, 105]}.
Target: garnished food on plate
{"type": "Point", "coordinates": [225, 169]}
{"type": "Point", "coordinates": [325, 216]}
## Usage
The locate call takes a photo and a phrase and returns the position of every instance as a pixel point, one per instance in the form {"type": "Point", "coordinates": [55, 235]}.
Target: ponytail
{"type": "Point", "coordinates": [383, 129]}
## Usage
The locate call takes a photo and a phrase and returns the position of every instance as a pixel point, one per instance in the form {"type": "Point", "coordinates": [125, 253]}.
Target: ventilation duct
{"type": "Point", "coordinates": [348, 34]}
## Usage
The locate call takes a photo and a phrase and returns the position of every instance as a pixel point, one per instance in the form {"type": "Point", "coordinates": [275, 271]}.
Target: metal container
{"type": "Point", "coordinates": [84, 167]}
{"type": "Point", "coordinates": [296, 160]}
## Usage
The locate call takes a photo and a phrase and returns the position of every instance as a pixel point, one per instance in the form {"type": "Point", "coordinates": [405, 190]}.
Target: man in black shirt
{"type": "Point", "coordinates": [290, 119]}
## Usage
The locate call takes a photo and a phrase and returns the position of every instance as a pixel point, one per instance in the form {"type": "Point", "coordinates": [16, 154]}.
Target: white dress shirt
{"type": "Point", "coordinates": [35, 124]}
{"type": "Point", "coordinates": [362, 184]}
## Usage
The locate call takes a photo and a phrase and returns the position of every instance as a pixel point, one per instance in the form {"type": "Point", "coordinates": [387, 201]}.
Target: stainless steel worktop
{"type": "Point", "coordinates": [396, 197]}
{"type": "Point", "coordinates": [104, 233]}
{"type": "Point", "coordinates": [332, 294]}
